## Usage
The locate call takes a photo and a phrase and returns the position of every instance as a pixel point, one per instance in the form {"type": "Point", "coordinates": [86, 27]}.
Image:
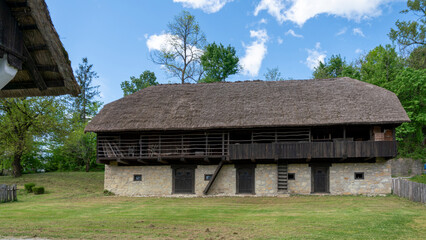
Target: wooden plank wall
{"type": "Point", "coordinates": [413, 191]}
{"type": "Point", "coordinates": [339, 149]}
{"type": "Point", "coordinates": [8, 193]}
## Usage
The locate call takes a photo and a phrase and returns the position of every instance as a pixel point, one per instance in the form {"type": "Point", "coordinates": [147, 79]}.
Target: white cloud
{"type": "Point", "coordinates": [255, 53]}
{"type": "Point", "coordinates": [159, 42]}
{"type": "Point", "coordinates": [208, 6]}
{"type": "Point", "coordinates": [292, 33]}
{"type": "Point", "coordinates": [274, 8]}
{"type": "Point", "coordinates": [358, 31]}
{"type": "Point", "coordinates": [299, 11]}
{"type": "Point", "coordinates": [315, 56]}
{"type": "Point", "coordinates": [342, 31]}
{"type": "Point", "coordinates": [358, 51]}
{"type": "Point", "coordinates": [163, 42]}
{"type": "Point", "coordinates": [280, 40]}
{"type": "Point", "coordinates": [263, 21]}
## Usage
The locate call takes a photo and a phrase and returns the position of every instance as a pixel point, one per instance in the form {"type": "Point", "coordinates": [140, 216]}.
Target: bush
{"type": "Point", "coordinates": [108, 193]}
{"type": "Point", "coordinates": [38, 190]}
{"type": "Point", "coordinates": [29, 187]}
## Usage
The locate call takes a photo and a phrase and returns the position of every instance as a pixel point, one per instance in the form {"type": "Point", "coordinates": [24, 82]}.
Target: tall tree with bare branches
{"type": "Point", "coordinates": [181, 53]}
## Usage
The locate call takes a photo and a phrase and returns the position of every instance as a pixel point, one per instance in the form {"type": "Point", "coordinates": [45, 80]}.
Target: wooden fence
{"type": "Point", "coordinates": [416, 192]}
{"type": "Point", "coordinates": [8, 193]}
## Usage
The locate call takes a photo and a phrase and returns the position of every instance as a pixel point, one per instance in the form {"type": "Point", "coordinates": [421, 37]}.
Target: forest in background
{"type": "Point", "coordinates": [47, 133]}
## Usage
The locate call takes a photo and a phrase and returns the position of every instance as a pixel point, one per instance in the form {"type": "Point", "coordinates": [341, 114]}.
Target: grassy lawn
{"type": "Point", "coordinates": [74, 207]}
{"type": "Point", "coordinates": [419, 178]}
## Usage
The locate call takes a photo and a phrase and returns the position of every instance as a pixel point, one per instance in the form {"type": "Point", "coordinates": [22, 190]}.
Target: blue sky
{"type": "Point", "coordinates": [293, 35]}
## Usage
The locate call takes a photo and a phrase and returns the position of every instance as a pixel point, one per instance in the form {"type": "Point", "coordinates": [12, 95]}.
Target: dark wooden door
{"type": "Point", "coordinates": [320, 178]}
{"type": "Point", "coordinates": [245, 180]}
{"type": "Point", "coordinates": [184, 180]}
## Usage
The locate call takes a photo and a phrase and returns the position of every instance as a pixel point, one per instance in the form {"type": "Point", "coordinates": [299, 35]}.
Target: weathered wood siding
{"type": "Point", "coordinates": [416, 192]}
{"type": "Point", "coordinates": [341, 149]}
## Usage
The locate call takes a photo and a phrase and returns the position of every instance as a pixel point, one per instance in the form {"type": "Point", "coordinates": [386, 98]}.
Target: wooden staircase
{"type": "Point", "coordinates": [282, 178]}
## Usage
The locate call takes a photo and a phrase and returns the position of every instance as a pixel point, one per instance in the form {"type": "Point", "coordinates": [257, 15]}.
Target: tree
{"type": "Point", "coordinates": [410, 87]}
{"type": "Point", "coordinates": [180, 56]}
{"type": "Point", "coordinates": [417, 58]}
{"type": "Point", "coordinates": [85, 105]}
{"type": "Point", "coordinates": [273, 74]}
{"type": "Point", "coordinates": [21, 121]}
{"type": "Point", "coordinates": [146, 79]}
{"type": "Point", "coordinates": [336, 67]}
{"type": "Point", "coordinates": [219, 62]}
{"type": "Point", "coordinates": [381, 66]}
{"type": "Point", "coordinates": [411, 33]}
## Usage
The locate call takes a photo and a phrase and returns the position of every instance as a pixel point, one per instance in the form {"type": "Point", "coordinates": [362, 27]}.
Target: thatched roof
{"type": "Point", "coordinates": [46, 54]}
{"type": "Point", "coordinates": [251, 104]}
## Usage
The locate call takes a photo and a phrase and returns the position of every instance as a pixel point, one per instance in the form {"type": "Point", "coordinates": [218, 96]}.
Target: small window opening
{"type": "Point", "coordinates": [137, 177]}
{"type": "Point", "coordinates": [207, 177]}
{"type": "Point", "coordinates": [291, 176]}
{"type": "Point", "coordinates": [359, 175]}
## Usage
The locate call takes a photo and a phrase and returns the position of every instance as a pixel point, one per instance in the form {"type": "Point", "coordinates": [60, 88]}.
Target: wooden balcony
{"type": "Point", "coordinates": [313, 150]}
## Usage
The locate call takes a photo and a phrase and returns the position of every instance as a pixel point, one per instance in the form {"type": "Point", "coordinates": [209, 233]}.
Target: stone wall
{"type": "Point", "coordinates": [406, 167]}
{"type": "Point", "coordinates": [157, 180]}
{"type": "Point", "coordinates": [377, 178]}
{"type": "Point", "coordinates": [302, 182]}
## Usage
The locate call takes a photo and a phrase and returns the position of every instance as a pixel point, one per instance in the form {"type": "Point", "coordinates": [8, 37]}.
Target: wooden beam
{"type": "Point", "coordinates": [29, 85]}
{"type": "Point", "coordinates": [28, 27]}
{"type": "Point", "coordinates": [122, 162]}
{"type": "Point", "coordinates": [162, 161]}
{"type": "Point", "coordinates": [213, 178]}
{"type": "Point", "coordinates": [37, 47]}
{"type": "Point", "coordinates": [49, 68]}
{"type": "Point", "coordinates": [142, 161]}
{"type": "Point", "coordinates": [33, 71]}
{"type": "Point", "coordinates": [17, 4]}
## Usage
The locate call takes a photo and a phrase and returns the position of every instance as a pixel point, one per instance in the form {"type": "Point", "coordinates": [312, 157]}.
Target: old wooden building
{"type": "Point", "coordinates": [33, 61]}
{"type": "Point", "coordinates": [255, 137]}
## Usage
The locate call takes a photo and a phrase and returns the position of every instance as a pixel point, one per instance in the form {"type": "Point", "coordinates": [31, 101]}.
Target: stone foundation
{"type": "Point", "coordinates": [157, 180]}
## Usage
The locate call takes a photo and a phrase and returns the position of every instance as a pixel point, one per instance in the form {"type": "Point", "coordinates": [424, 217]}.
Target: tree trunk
{"type": "Point", "coordinates": [87, 164]}
{"type": "Point", "coordinates": [16, 164]}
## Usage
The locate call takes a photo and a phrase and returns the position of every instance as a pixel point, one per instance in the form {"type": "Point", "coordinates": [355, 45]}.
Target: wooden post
{"type": "Point", "coordinates": [223, 144]}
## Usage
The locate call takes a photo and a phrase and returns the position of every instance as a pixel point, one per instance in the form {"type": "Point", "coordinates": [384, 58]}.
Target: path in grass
{"type": "Point", "coordinates": [74, 207]}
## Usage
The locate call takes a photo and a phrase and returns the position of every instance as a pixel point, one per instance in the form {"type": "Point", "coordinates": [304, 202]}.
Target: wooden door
{"type": "Point", "coordinates": [245, 180]}
{"type": "Point", "coordinates": [320, 179]}
{"type": "Point", "coordinates": [184, 180]}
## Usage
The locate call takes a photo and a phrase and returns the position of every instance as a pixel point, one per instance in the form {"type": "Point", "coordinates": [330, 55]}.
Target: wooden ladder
{"type": "Point", "coordinates": [282, 178]}
{"type": "Point", "coordinates": [216, 172]}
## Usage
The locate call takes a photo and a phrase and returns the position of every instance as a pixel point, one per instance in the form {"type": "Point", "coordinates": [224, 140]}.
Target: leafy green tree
{"type": "Point", "coordinates": [381, 66]}
{"type": "Point", "coordinates": [417, 58]}
{"type": "Point", "coordinates": [181, 54]}
{"type": "Point", "coordinates": [411, 33]}
{"type": "Point", "coordinates": [335, 67]}
{"type": "Point", "coordinates": [410, 87]}
{"type": "Point", "coordinates": [146, 79]}
{"type": "Point", "coordinates": [76, 153]}
{"type": "Point", "coordinates": [273, 74]}
{"type": "Point", "coordinates": [22, 120]}
{"type": "Point", "coordinates": [85, 104]}
{"type": "Point", "coordinates": [219, 62]}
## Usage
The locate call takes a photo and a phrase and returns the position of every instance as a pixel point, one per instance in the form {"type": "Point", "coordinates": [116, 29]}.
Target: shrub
{"type": "Point", "coordinates": [108, 193]}
{"type": "Point", "coordinates": [38, 190]}
{"type": "Point", "coordinates": [29, 187]}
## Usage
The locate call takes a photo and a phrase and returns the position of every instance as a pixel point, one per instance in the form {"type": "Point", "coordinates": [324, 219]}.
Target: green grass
{"type": "Point", "coordinates": [419, 178]}
{"type": "Point", "coordinates": [74, 207]}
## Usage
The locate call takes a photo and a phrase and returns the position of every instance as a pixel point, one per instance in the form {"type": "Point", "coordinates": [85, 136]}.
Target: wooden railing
{"type": "Point", "coordinates": [304, 150]}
